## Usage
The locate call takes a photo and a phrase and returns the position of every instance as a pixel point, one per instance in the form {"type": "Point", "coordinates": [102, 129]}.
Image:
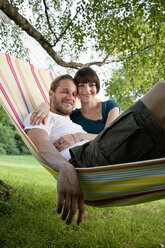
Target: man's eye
{"type": "Point", "coordinates": [81, 85]}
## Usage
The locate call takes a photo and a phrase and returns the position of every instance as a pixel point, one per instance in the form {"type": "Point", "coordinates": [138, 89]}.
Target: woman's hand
{"type": "Point", "coordinates": [65, 142]}
{"type": "Point", "coordinates": [40, 114]}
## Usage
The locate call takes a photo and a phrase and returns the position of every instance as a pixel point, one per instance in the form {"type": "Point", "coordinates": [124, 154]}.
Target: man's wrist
{"type": "Point", "coordinates": [66, 166]}
{"type": "Point", "coordinates": [74, 137]}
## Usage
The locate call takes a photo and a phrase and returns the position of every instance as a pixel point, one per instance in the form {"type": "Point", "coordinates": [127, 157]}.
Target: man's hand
{"type": "Point", "coordinates": [65, 142]}
{"type": "Point", "coordinates": [70, 196]}
{"type": "Point", "coordinates": [70, 139]}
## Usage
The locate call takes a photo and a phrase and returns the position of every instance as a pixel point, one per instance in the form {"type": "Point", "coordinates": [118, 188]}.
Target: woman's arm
{"type": "Point", "coordinates": [113, 114]}
{"type": "Point", "coordinates": [40, 114]}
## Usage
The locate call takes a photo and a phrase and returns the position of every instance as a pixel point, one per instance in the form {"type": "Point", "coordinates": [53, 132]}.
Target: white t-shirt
{"type": "Point", "coordinates": [57, 126]}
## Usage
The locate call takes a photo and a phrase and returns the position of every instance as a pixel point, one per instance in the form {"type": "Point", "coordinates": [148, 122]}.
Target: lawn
{"type": "Point", "coordinates": [29, 219]}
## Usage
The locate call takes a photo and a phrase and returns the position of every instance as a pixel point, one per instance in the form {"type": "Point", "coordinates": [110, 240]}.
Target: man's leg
{"type": "Point", "coordinates": [154, 100]}
{"type": "Point", "coordinates": [138, 134]}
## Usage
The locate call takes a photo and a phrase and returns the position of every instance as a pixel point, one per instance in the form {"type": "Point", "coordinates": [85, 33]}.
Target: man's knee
{"type": "Point", "coordinates": [154, 100]}
{"type": "Point", "coordinates": [160, 88]}
{"type": "Point", "coordinates": [156, 95]}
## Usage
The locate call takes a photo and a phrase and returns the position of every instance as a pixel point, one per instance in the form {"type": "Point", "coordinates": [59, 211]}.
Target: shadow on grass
{"type": "Point", "coordinates": [5, 190]}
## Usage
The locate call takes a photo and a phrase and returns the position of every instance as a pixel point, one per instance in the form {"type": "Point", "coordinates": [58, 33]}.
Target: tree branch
{"type": "Point", "coordinates": [22, 22]}
{"type": "Point", "coordinates": [47, 16]}
{"type": "Point", "coordinates": [69, 24]}
{"type": "Point", "coordinates": [105, 61]}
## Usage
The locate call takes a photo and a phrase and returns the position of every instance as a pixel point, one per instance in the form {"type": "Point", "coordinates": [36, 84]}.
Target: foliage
{"type": "Point", "coordinates": [12, 41]}
{"type": "Point", "coordinates": [128, 35]}
{"type": "Point", "coordinates": [137, 75]}
{"type": "Point", "coordinates": [11, 142]}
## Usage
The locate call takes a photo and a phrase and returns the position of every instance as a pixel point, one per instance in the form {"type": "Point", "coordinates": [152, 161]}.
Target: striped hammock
{"type": "Point", "coordinates": [23, 87]}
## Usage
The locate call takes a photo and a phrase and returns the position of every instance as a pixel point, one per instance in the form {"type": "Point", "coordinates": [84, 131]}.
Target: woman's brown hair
{"type": "Point", "coordinates": [87, 75]}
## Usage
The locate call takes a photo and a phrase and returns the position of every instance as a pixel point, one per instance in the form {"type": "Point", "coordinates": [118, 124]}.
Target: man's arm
{"type": "Point", "coordinates": [84, 136]}
{"type": "Point", "coordinates": [70, 196]}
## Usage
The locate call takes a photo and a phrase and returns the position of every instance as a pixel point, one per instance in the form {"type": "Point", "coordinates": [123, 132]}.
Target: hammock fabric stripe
{"type": "Point", "coordinates": [23, 87]}
{"type": "Point", "coordinates": [11, 106]}
{"type": "Point", "coordinates": [110, 201]}
{"type": "Point", "coordinates": [16, 79]}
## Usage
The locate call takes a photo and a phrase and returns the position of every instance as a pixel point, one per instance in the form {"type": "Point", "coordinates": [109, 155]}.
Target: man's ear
{"type": "Point", "coordinates": [50, 93]}
{"type": "Point", "coordinates": [51, 96]}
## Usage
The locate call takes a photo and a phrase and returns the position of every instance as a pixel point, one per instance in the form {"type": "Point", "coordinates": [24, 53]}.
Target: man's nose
{"type": "Point", "coordinates": [70, 96]}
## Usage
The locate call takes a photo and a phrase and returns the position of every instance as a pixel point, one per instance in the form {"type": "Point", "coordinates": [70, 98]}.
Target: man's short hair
{"type": "Point", "coordinates": [56, 82]}
{"type": "Point", "coordinates": [87, 75]}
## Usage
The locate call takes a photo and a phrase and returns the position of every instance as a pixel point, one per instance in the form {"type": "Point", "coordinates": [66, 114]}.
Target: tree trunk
{"type": "Point", "coordinates": [4, 191]}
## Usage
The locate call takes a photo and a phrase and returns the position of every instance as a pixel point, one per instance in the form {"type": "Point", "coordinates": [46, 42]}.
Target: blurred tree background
{"type": "Point", "coordinates": [11, 142]}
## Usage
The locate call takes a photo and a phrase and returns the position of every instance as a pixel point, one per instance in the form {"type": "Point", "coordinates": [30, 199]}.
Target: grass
{"type": "Point", "coordinates": [29, 219]}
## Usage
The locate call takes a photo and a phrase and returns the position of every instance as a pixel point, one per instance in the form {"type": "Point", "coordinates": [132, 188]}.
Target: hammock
{"type": "Point", "coordinates": [22, 88]}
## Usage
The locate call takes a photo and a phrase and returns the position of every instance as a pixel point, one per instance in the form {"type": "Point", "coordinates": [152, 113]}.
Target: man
{"type": "Point", "coordinates": [62, 95]}
{"type": "Point", "coordinates": [138, 134]}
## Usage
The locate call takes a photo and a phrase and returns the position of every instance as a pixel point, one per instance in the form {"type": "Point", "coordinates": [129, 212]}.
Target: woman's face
{"type": "Point", "coordinates": [87, 91]}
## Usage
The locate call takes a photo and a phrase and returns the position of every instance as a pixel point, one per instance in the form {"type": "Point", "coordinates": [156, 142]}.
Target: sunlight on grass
{"type": "Point", "coordinates": [29, 218]}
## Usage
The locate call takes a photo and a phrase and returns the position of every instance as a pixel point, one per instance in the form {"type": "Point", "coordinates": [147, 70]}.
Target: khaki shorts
{"type": "Point", "coordinates": [133, 136]}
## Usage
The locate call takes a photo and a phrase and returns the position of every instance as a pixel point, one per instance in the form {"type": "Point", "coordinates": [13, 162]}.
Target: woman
{"type": "Point", "coordinates": [93, 116]}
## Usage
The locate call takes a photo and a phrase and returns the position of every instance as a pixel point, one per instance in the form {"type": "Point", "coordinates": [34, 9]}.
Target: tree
{"type": "Point", "coordinates": [11, 142]}
{"type": "Point", "coordinates": [129, 33]}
